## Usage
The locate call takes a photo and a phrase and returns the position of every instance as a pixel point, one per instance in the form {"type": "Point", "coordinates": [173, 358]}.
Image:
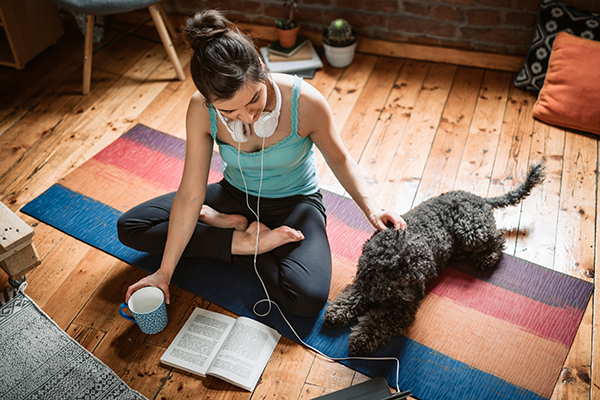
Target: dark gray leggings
{"type": "Point", "coordinates": [297, 274]}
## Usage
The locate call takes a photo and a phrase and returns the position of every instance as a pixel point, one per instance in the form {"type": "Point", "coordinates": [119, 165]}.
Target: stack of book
{"type": "Point", "coordinates": [300, 59]}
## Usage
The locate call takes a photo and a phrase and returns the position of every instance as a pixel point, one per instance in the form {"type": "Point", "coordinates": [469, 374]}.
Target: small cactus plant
{"type": "Point", "coordinates": [339, 33]}
{"type": "Point", "coordinates": [339, 43]}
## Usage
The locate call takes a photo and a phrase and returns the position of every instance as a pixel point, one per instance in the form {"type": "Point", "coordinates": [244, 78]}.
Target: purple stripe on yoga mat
{"type": "Point", "coordinates": [157, 141]}
{"type": "Point", "coordinates": [166, 144]}
{"type": "Point", "coordinates": [534, 281]}
{"type": "Point", "coordinates": [352, 216]}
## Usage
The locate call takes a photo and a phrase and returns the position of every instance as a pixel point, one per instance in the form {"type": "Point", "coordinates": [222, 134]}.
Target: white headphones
{"type": "Point", "coordinates": [264, 127]}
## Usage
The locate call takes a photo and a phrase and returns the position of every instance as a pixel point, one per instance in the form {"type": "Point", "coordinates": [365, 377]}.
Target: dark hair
{"type": "Point", "coordinates": [224, 59]}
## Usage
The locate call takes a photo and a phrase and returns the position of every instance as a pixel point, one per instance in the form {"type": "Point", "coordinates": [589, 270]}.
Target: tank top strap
{"type": "Point", "coordinates": [213, 121]}
{"type": "Point", "coordinates": [294, 107]}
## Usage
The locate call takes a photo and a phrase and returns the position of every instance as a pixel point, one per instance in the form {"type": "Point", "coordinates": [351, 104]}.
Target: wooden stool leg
{"type": "Point", "coordinates": [88, 48]}
{"type": "Point", "coordinates": [164, 36]}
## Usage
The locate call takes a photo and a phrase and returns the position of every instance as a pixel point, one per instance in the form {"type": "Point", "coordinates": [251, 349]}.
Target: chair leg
{"type": "Point", "coordinates": [88, 48]}
{"type": "Point", "coordinates": [172, 31]}
{"type": "Point", "coordinates": [164, 36]}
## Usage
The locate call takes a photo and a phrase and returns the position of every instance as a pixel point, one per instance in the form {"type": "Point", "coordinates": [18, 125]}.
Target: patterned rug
{"type": "Point", "coordinates": [495, 335]}
{"type": "Point", "coordinates": [40, 361]}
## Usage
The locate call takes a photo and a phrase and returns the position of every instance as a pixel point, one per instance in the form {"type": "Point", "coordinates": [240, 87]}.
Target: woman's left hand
{"type": "Point", "coordinates": [381, 219]}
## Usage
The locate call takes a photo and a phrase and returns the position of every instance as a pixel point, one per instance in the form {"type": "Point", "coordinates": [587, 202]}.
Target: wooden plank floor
{"type": "Point", "coordinates": [416, 128]}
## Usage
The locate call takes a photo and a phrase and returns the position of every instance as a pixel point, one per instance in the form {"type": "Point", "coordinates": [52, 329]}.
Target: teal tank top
{"type": "Point", "coordinates": [289, 166]}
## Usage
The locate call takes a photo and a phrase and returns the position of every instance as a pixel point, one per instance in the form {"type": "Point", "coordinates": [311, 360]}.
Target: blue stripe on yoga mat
{"type": "Point", "coordinates": [427, 373]}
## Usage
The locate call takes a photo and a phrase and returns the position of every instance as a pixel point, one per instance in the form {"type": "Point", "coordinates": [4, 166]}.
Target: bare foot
{"type": "Point", "coordinates": [214, 218]}
{"type": "Point", "coordinates": [244, 243]}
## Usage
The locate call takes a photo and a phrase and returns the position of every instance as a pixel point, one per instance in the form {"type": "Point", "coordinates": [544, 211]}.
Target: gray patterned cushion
{"type": "Point", "coordinates": [553, 17]}
{"type": "Point", "coordinates": [103, 7]}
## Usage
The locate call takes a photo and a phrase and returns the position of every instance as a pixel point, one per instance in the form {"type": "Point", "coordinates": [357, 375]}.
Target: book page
{"type": "Point", "coordinates": [245, 353]}
{"type": "Point", "coordinates": [198, 341]}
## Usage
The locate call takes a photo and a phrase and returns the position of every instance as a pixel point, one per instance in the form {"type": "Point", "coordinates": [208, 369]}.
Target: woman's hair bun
{"type": "Point", "coordinates": [205, 26]}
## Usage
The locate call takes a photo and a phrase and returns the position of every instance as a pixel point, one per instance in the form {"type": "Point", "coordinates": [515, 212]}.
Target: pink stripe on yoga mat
{"type": "Point", "coordinates": [343, 240]}
{"type": "Point", "coordinates": [554, 323]}
{"type": "Point", "coordinates": [142, 162]}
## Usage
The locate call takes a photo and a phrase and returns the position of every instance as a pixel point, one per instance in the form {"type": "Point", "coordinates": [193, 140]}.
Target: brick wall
{"type": "Point", "coordinates": [498, 26]}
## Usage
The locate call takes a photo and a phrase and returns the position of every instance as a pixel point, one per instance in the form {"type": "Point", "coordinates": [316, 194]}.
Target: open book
{"type": "Point", "coordinates": [235, 350]}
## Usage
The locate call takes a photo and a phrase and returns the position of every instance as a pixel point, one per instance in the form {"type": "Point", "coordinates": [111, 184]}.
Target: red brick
{"type": "Point", "coordinates": [386, 6]}
{"type": "Point", "coordinates": [457, 2]}
{"type": "Point", "coordinates": [310, 16]}
{"type": "Point", "coordinates": [440, 13]}
{"type": "Point", "coordinates": [358, 20]}
{"type": "Point", "coordinates": [416, 7]}
{"type": "Point", "coordinates": [353, 4]}
{"type": "Point", "coordinates": [483, 17]}
{"type": "Point", "coordinates": [496, 35]}
{"type": "Point", "coordinates": [422, 26]}
{"type": "Point", "coordinates": [275, 11]}
{"type": "Point", "coordinates": [315, 2]}
{"type": "Point", "coordinates": [446, 13]}
{"type": "Point", "coordinates": [301, 14]}
{"type": "Point", "coordinates": [250, 7]}
{"type": "Point", "coordinates": [519, 18]}
{"type": "Point", "coordinates": [529, 5]}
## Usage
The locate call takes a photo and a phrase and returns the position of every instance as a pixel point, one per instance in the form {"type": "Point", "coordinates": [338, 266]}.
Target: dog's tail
{"type": "Point", "coordinates": [535, 176]}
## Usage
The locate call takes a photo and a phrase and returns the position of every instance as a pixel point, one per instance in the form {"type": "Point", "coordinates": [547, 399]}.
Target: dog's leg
{"type": "Point", "coordinates": [344, 309]}
{"type": "Point", "coordinates": [380, 324]}
{"type": "Point", "coordinates": [488, 255]}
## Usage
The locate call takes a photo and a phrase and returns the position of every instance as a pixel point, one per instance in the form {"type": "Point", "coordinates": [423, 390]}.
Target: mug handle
{"type": "Point", "coordinates": [126, 316]}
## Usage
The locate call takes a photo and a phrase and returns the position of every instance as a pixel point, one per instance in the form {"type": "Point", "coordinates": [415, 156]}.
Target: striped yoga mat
{"type": "Point", "coordinates": [478, 335]}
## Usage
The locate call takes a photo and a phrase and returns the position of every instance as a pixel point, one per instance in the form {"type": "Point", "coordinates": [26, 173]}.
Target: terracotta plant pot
{"type": "Point", "coordinates": [287, 38]}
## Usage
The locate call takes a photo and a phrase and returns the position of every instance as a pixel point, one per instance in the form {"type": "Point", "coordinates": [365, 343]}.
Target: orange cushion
{"type": "Point", "coordinates": [570, 96]}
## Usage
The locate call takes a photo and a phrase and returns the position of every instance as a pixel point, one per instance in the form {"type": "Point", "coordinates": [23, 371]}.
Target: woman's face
{"type": "Point", "coordinates": [246, 105]}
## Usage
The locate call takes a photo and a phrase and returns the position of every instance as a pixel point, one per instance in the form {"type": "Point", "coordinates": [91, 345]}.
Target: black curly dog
{"type": "Point", "coordinates": [395, 266]}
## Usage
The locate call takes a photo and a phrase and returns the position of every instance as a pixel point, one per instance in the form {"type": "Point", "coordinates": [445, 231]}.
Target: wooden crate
{"type": "Point", "coordinates": [17, 252]}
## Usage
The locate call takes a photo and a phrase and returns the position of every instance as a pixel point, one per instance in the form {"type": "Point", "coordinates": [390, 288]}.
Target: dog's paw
{"type": "Point", "coordinates": [336, 317]}
{"type": "Point", "coordinates": [361, 343]}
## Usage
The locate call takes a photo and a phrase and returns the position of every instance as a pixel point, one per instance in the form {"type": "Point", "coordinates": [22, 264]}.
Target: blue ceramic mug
{"type": "Point", "coordinates": [147, 306]}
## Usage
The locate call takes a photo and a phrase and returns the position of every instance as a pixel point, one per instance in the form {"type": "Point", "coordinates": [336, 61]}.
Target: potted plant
{"type": "Point", "coordinates": [287, 29]}
{"type": "Point", "coordinates": [339, 42]}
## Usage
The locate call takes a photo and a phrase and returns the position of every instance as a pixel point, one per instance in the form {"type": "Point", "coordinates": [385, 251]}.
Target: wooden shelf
{"type": "Point", "coordinates": [27, 27]}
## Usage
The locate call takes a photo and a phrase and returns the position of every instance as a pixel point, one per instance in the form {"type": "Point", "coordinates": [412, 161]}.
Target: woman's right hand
{"type": "Point", "coordinates": [159, 279]}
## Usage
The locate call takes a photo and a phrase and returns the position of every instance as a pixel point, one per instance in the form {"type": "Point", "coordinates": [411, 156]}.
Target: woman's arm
{"type": "Point", "coordinates": [325, 136]}
{"type": "Point", "coordinates": [188, 199]}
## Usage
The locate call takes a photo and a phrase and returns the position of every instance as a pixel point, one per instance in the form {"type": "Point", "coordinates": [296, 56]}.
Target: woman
{"type": "Point", "coordinates": [265, 127]}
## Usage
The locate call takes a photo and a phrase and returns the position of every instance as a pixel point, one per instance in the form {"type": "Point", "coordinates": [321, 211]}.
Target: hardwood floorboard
{"type": "Point", "coordinates": [538, 226]}
{"type": "Point", "coordinates": [87, 337]}
{"type": "Point", "coordinates": [406, 170]}
{"type": "Point", "coordinates": [512, 160]}
{"type": "Point", "coordinates": [78, 287]}
{"type": "Point", "coordinates": [445, 155]}
{"type": "Point", "coordinates": [416, 128]}
{"type": "Point", "coordinates": [379, 153]}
